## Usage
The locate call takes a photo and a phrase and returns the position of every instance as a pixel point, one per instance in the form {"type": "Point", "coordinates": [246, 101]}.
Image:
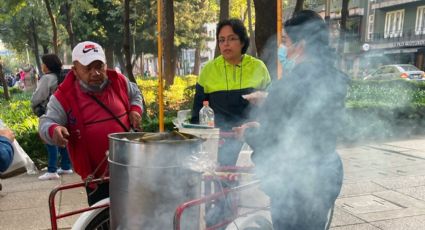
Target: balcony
{"type": "Point", "coordinates": [405, 38]}
{"type": "Point", "coordinates": [387, 3]}
{"type": "Point", "coordinates": [393, 36]}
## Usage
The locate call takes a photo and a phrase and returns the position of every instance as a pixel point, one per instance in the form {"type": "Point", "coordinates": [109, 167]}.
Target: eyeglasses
{"type": "Point", "coordinates": [229, 39]}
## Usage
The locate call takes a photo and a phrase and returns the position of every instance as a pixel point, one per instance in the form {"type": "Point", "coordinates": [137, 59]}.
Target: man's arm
{"type": "Point", "coordinates": [135, 96]}
{"type": "Point", "coordinates": [136, 105]}
{"type": "Point", "coordinates": [55, 116]}
{"type": "Point", "coordinates": [6, 149]}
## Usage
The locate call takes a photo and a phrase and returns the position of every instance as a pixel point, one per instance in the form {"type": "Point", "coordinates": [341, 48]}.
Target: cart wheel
{"type": "Point", "coordinates": [100, 222]}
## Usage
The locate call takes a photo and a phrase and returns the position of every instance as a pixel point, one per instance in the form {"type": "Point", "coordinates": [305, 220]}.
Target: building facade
{"type": "Point", "coordinates": [396, 32]}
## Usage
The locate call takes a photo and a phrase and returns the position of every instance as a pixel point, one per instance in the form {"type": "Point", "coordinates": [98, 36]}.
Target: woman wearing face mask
{"type": "Point", "coordinates": [297, 163]}
{"type": "Point", "coordinates": [224, 80]}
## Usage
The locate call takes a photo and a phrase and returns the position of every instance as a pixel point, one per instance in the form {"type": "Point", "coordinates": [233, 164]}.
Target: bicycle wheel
{"type": "Point", "coordinates": [100, 222]}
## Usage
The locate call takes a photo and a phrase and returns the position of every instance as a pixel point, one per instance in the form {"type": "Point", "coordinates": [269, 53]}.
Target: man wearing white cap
{"type": "Point", "coordinates": [91, 103]}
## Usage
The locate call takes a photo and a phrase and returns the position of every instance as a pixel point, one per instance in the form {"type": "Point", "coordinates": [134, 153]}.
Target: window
{"type": "Point", "coordinates": [420, 21]}
{"type": "Point", "coordinates": [394, 24]}
{"type": "Point", "coordinates": [370, 26]}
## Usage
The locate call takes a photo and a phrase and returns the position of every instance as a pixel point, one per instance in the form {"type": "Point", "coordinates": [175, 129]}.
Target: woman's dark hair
{"type": "Point", "coordinates": [307, 25]}
{"type": "Point", "coordinates": [53, 63]}
{"type": "Point", "coordinates": [238, 28]}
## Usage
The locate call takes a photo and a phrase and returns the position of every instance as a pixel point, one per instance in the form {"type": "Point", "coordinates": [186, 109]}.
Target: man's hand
{"type": "Point", "coordinates": [135, 120]}
{"type": "Point", "coordinates": [8, 134]}
{"type": "Point", "coordinates": [240, 131]}
{"type": "Point", "coordinates": [60, 136]}
{"type": "Point", "coordinates": [256, 98]}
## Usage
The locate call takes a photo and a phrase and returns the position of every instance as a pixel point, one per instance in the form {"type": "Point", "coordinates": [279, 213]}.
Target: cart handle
{"type": "Point", "coordinates": [181, 208]}
{"type": "Point", "coordinates": [54, 217]}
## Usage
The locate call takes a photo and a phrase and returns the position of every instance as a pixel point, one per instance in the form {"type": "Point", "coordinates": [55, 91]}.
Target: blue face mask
{"type": "Point", "coordinates": [287, 63]}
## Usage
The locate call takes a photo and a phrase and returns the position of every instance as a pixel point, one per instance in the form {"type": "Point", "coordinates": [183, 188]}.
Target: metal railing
{"type": "Point", "coordinates": [395, 36]}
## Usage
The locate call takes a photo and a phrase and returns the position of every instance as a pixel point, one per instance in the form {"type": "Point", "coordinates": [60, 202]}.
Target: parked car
{"type": "Point", "coordinates": [399, 71]}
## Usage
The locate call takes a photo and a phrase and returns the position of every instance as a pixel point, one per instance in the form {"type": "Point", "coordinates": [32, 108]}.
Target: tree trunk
{"type": "Point", "coordinates": [69, 29]}
{"type": "Point", "coordinates": [299, 6]}
{"type": "Point", "coordinates": [35, 45]}
{"type": "Point", "coordinates": [45, 49]}
{"type": "Point", "coordinates": [224, 14]}
{"type": "Point", "coordinates": [197, 60]}
{"type": "Point", "coordinates": [119, 57]}
{"type": "Point", "coordinates": [4, 83]}
{"type": "Point", "coordinates": [54, 27]}
{"type": "Point", "coordinates": [168, 41]}
{"type": "Point", "coordinates": [126, 42]}
{"type": "Point", "coordinates": [342, 30]}
{"type": "Point", "coordinates": [253, 48]}
{"type": "Point", "coordinates": [109, 54]}
{"type": "Point", "coordinates": [265, 32]}
{"type": "Point", "coordinates": [224, 9]}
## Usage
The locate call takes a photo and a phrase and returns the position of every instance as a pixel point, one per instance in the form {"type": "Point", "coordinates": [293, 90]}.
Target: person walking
{"type": "Point", "coordinates": [51, 67]}
{"type": "Point", "coordinates": [91, 103]}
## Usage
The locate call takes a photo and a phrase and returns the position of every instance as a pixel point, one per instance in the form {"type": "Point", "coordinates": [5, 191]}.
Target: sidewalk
{"type": "Point", "coordinates": [384, 188]}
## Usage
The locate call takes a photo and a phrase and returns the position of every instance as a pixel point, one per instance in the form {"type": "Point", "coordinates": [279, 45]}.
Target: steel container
{"type": "Point", "coordinates": [149, 179]}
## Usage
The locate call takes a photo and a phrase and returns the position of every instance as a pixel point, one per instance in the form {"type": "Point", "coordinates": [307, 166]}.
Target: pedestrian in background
{"type": "Point", "coordinates": [51, 67]}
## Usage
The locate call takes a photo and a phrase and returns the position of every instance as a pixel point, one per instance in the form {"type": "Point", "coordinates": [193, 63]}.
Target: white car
{"type": "Point", "coordinates": [399, 71]}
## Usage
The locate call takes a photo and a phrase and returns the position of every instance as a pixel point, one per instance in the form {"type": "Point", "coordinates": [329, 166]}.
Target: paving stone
{"type": "Point", "coordinates": [366, 204]}
{"type": "Point", "coordinates": [341, 217]}
{"type": "Point", "coordinates": [401, 182]}
{"type": "Point", "coordinates": [356, 227]}
{"type": "Point", "coordinates": [416, 192]}
{"type": "Point", "coordinates": [360, 188]}
{"type": "Point", "coordinates": [408, 223]}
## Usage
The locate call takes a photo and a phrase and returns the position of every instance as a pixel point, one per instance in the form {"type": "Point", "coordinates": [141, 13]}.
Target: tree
{"type": "Point", "coordinates": [126, 42]}
{"type": "Point", "coordinates": [4, 83]}
{"type": "Point", "coordinates": [253, 47]}
{"type": "Point", "coordinates": [66, 10]}
{"type": "Point", "coordinates": [265, 31]}
{"type": "Point", "coordinates": [21, 23]}
{"type": "Point", "coordinates": [224, 14]}
{"type": "Point", "coordinates": [343, 29]}
{"type": "Point", "coordinates": [54, 26]}
{"type": "Point", "coordinates": [299, 6]}
{"type": "Point", "coordinates": [190, 19]}
{"type": "Point", "coordinates": [168, 42]}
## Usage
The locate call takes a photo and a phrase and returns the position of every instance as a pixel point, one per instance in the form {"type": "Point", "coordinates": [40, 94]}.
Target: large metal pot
{"type": "Point", "coordinates": [148, 180]}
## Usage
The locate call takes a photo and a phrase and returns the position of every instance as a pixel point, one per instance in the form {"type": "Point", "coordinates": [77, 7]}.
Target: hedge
{"type": "Point", "coordinates": [376, 110]}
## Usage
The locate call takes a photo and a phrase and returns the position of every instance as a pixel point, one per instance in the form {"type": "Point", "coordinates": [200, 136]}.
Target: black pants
{"type": "Point", "coordinates": [228, 152]}
{"type": "Point", "coordinates": [303, 200]}
{"type": "Point", "coordinates": [96, 194]}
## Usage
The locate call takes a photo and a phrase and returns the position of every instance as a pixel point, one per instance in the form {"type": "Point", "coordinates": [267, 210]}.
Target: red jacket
{"type": "Point", "coordinates": [89, 124]}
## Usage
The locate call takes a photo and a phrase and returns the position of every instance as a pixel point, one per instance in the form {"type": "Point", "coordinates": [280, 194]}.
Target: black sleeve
{"type": "Point", "coordinates": [200, 96]}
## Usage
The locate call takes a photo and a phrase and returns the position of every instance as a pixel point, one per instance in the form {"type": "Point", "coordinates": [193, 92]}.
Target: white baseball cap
{"type": "Point", "coordinates": [87, 52]}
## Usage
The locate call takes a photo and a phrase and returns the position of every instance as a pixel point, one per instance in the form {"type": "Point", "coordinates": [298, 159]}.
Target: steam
{"type": "Point", "coordinates": [302, 122]}
{"type": "Point", "coordinates": [294, 150]}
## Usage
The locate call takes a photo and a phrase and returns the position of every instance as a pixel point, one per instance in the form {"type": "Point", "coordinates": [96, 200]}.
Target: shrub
{"type": "Point", "coordinates": [18, 116]}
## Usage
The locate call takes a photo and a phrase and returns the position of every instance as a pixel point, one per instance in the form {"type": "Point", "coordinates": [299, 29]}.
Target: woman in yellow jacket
{"type": "Point", "coordinates": [224, 80]}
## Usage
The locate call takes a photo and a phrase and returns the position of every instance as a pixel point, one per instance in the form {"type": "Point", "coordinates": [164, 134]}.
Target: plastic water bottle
{"type": "Point", "coordinates": [206, 115]}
